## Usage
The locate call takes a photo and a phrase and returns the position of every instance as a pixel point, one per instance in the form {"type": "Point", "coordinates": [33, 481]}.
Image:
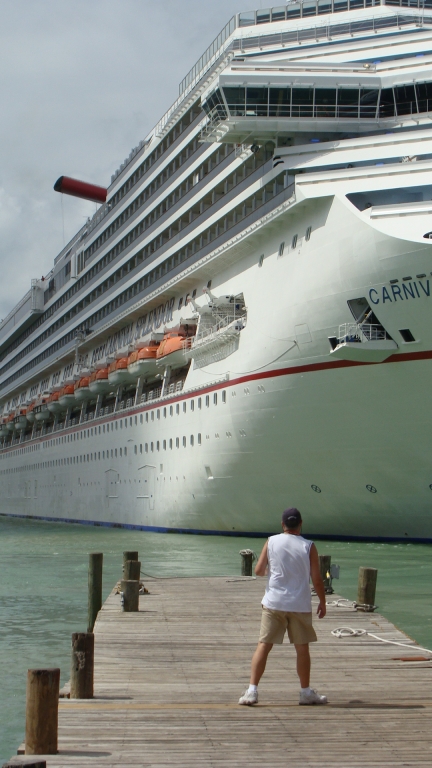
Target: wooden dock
{"type": "Point", "coordinates": [167, 682]}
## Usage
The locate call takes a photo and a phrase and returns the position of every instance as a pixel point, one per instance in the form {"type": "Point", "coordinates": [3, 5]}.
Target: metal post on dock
{"type": "Point", "coordinates": [132, 570]}
{"type": "Point", "coordinates": [41, 732]}
{"type": "Point", "coordinates": [94, 588]}
{"type": "Point", "coordinates": [82, 665]}
{"type": "Point", "coordinates": [247, 557]}
{"type": "Point", "coordinates": [367, 580]}
{"type": "Point", "coordinates": [130, 595]}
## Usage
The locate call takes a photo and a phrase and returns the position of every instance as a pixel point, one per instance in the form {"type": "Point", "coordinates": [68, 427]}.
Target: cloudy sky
{"type": "Point", "coordinates": [81, 83]}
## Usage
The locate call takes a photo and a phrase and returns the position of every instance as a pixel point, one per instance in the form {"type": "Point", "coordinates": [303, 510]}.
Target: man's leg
{"type": "Point", "coordinates": [303, 664]}
{"type": "Point", "coordinates": [259, 661]}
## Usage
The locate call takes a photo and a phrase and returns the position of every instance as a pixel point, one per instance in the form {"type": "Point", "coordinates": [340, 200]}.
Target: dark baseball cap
{"type": "Point", "coordinates": [291, 518]}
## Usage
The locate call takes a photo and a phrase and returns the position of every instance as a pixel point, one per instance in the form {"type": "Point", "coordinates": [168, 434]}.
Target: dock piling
{"type": "Point", "coordinates": [94, 588]}
{"type": "Point", "coordinates": [130, 593]}
{"type": "Point", "coordinates": [367, 580]}
{"type": "Point", "coordinates": [325, 569]}
{"type": "Point", "coordinates": [247, 557]}
{"type": "Point", "coordinates": [82, 665]}
{"type": "Point", "coordinates": [132, 570]}
{"type": "Point", "coordinates": [43, 687]}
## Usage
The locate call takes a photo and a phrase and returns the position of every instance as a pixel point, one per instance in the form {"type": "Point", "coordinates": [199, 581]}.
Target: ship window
{"type": "Point", "coordinates": [184, 407]}
{"type": "Point", "coordinates": [261, 260]}
{"type": "Point", "coordinates": [157, 445]}
{"type": "Point", "coordinates": [180, 304]}
{"type": "Point", "coordinates": [308, 233]}
{"type": "Point", "coordinates": [177, 442]}
{"type": "Point", "coordinates": [325, 102]}
{"type": "Point", "coordinates": [158, 414]}
{"type": "Point", "coordinates": [302, 102]}
{"type": "Point", "coordinates": [215, 398]}
{"type": "Point", "coordinates": [325, 6]}
{"type": "Point", "coordinates": [121, 424]}
{"type": "Point", "coordinates": [125, 451]}
{"type": "Point", "coordinates": [294, 241]}
{"type": "Point", "coordinates": [199, 438]}
{"type": "Point", "coordinates": [309, 8]}
{"type": "Point", "coordinates": [136, 420]}
{"type": "Point", "coordinates": [135, 449]}
{"type": "Point", "coordinates": [279, 102]}
{"type": "Point", "coordinates": [235, 98]}
{"type": "Point", "coordinates": [224, 396]}
{"type": "Point", "coordinates": [130, 421]}
{"type": "Point", "coordinates": [199, 403]}
{"type": "Point", "coordinates": [151, 447]}
{"type": "Point", "coordinates": [115, 452]}
{"type": "Point", "coordinates": [192, 405]}
{"type": "Point", "coordinates": [141, 418]}
{"type": "Point", "coordinates": [164, 445]}
{"type": "Point", "coordinates": [152, 415]}
{"type": "Point", "coordinates": [406, 335]}
{"type": "Point", "coordinates": [146, 417]}
{"type": "Point", "coordinates": [386, 103]}
{"type": "Point", "coordinates": [140, 447]}
{"type": "Point", "coordinates": [256, 102]}
{"type": "Point", "coordinates": [192, 440]}
{"type": "Point", "coordinates": [116, 426]}
{"type": "Point", "coordinates": [293, 11]}
{"type": "Point", "coordinates": [171, 443]}
{"type": "Point", "coordinates": [424, 96]}
{"type": "Point", "coordinates": [184, 441]}
{"type": "Point", "coordinates": [146, 447]}
{"type": "Point", "coordinates": [405, 99]}
{"type": "Point", "coordinates": [207, 401]}
{"type": "Point", "coordinates": [171, 410]}
{"type": "Point", "coordinates": [121, 452]}
{"type": "Point", "coordinates": [281, 249]}
{"type": "Point", "coordinates": [164, 413]}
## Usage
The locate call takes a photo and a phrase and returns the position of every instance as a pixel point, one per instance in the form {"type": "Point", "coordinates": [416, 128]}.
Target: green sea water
{"type": "Point", "coordinates": [43, 597]}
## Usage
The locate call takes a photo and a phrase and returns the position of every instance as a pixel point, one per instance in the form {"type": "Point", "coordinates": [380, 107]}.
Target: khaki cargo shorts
{"type": "Point", "coordinates": [274, 624]}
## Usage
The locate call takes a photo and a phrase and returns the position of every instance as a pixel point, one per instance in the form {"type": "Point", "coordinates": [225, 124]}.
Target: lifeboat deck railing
{"type": "Point", "coordinates": [221, 332]}
{"type": "Point", "coordinates": [361, 332]}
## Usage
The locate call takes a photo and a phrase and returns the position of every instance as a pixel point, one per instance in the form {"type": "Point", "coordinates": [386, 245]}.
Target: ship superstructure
{"type": "Point", "coordinates": [245, 323]}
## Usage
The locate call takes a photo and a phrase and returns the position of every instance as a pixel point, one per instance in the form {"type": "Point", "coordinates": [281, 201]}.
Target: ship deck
{"type": "Point", "coordinates": [167, 681]}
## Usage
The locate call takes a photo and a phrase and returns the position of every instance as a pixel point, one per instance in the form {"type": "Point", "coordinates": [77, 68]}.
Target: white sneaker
{"type": "Point", "coordinates": [312, 698]}
{"type": "Point", "coordinates": [249, 698]}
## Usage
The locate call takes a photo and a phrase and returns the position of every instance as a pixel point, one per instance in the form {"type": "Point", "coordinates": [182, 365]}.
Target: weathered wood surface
{"type": "Point", "coordinates": [167, 682]}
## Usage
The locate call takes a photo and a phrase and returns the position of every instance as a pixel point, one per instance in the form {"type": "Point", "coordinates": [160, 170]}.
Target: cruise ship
{"type": "Point", "coordinates": [245, 322]}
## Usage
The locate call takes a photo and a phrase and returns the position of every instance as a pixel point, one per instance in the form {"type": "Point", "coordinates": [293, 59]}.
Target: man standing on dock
{"type": "Point", "coordinates": [290, 562]}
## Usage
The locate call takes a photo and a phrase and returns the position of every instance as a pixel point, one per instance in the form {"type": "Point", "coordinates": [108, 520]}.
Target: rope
{"type": "Point", "coordinates": [351, 632]}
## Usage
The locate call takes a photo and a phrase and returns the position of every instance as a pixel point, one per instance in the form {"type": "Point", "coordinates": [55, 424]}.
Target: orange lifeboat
{"type": "Point", "coordinates": [10, 424]}
{"type": "Point", "coordinates": [173, 345]}
{"type": "Point", "coordinates": [118, 372]}
{"type": "Point", "coordinates": [67, 396]}
{"type": "Point", "coordinates": [99, 383]}
{"type": "Point", "coordinates": [30, 412]}
{"type": "Point", "coordinates": [53, 403]}
{"type": "Point", "coordinates": [41, 411]}
{"type": "Point", "coordinates": [21, 419]}
{"type": "Point", "coordinates": [82, 389]}
{"type": "Point", "coordinates": [143, 361]}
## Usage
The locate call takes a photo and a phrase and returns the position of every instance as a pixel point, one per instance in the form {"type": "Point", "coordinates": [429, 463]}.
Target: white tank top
{"type": "Point", "coordinates": [288, 574]}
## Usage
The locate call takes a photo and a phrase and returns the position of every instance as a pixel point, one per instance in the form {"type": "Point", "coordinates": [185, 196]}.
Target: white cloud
{"type": "Point", "coordinates": [81, 82]}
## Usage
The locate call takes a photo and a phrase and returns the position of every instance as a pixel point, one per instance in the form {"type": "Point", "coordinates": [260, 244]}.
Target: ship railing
{"type": "Point", "coordinates": [313, 110]}
{"type": "Point", "coordinates": [226, 327]}
{"type": "Point", "coordinates": [361, 332]}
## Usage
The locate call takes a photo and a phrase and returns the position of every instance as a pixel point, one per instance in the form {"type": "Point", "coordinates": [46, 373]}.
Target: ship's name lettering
{"type": "Point", "coordinates": [415, 289]}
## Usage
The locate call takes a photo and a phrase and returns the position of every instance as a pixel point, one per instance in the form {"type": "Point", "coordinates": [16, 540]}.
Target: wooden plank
{"type": "Point", "coordinates": [168, 678]}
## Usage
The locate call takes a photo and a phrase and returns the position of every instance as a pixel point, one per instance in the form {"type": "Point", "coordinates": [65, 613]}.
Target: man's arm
{"type": "Point", "coordinates": [261, 566]}
{"type": "Point", "coordinates": [317, 581]}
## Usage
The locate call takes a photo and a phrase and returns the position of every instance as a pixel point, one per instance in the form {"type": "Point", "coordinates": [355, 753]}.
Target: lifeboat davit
{"type": "Point", "coordinates": [82, 390]}
{"type": "Point", "coordinates": [21, 419]}
{"type": "Point", "coordinates": [41, 411]}
{"type": "Point", "coordinates": [173, 345]}
{"type": "Point", "coordinates": [30, 413]}
{"type": "Point", "coordinates": [118, 372]}
{"type": "Point", "coordinates": [67, 396]}
{"type": "Point", "coordinates": [142, 362]}
{"type": "Point", "coordinates": [10, 424]}
{"type": "Point", "coordinates": [99, 383]}
{"type": "Point", "coordinates": [53, 403]}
